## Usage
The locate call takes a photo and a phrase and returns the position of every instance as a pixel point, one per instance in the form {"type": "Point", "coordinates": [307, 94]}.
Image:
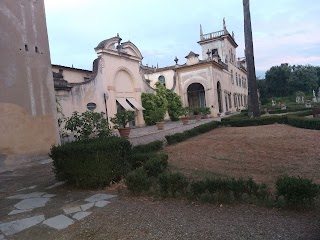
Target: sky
{"type": "Point", "coordinates": [284, 31]}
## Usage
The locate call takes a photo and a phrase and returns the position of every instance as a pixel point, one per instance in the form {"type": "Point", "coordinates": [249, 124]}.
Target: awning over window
{"type": "Point", "coordinates": [135, 104]}
{"type": "Point", "coordinates": [124, 104]}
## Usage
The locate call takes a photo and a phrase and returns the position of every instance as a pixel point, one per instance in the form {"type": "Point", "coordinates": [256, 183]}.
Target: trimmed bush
{"type": "Point", "coordinates": [179, 137]}
{"type": "Point", "coordinates": [246, 122]}
{"type": "Point", "coordinates": [296, 191]}
{"type": "Point", "coordinates": [137, 181]}
{"type": "Point", "coordinates": [278, 111]}
{"type": "Point", "coordinates": [301, 122]}
{"type": "Point", "coordinates": [156, 165]}
{"type": "Point", "coordinates": [172, 183]}
{"type": "Point", "coordinates": [92, 163]}
{"type": "Point", "coordinates": [138, 159]}
{"type": "Point", "coordinates": [147, 148]}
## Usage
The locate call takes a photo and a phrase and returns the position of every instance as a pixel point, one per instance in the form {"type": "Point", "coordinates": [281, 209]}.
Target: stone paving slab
{"type": "Point", "coordinates": [2, 237]}
{"type": "Point", "coordinates": [14, 212]}
{"type": "Point", "coordinates": [55, 185]}
{"type": "Point", "coordinates": [87, 206]}
{"type": "Point", "coordinates": [59, 222]}
{"type": "Point", "coordinates": [17, 226]}
{"type": "Point", "coordinates": [31, 203]}
{"type": "Point", "coordinates": [99, 197]}
{"type": "Point", "coordinates": [102, 203]}
{"type": "Point", "coordinates": [27, 195]}
{"type": "Point", "coordinates": [28, 188]}
{"type": "Point", "coordinates": [72, 210]}
{"type": "Point", "coordinates": [81, 215]}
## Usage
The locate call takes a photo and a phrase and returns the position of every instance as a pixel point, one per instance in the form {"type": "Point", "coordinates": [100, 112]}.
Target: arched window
{"type": "Point", "coordinates": [162, 80]}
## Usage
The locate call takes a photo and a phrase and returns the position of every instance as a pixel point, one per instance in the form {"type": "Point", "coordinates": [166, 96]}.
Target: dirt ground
{"type": "Point", "coordinates": [147, 218]}
{"type": "Point", "coordinates": [262, 152]}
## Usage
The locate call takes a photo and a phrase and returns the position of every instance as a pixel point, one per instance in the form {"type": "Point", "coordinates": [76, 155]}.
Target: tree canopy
{"type": "Point", "coordinates": [285, 80]}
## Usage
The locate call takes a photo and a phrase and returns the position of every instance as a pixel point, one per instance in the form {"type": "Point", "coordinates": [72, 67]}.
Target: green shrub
{"type": "Point", "coordinates": [178, 184]}
{"type": "Point", "coordinates": [172, 183]}
{"type": "Point", "coordinates": [147, 148]}
{"type": "Point", "coordinates": [304, 122]}
{"type": "Point", "coordinates": [156, 165]}
{"type": "Point", "coordinates": [246, 122]}
{"type": "Point", "coordinates": [164, 183]}
{"type": "Point", "coordinates": [197, 188]}
{"type": "Point", "coordinates": [138, 159]}
{"type": "Point", "coordinates": [179, 137]}
{"type": "Point", "coordinates": [137, 181]}
{"type": "Point", "coordinates": [296, 191]}
{"type": "Point", "coordinates": [92, 163]}
{"type": "Point", "coordinates": [87, 125]}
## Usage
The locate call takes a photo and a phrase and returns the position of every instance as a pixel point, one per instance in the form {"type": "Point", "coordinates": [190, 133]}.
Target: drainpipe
{"type": "Point", "coordinates": [105, 96]}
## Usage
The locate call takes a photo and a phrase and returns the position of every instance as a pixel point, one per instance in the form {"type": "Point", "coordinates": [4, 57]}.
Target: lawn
{"type": "Point", "coordinates": [262, 152]}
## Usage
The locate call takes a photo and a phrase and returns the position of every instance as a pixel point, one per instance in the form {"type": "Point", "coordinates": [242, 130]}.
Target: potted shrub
{"type": "Point", "coordinates": [121, 120]}
{"type": "Point", "coordinates": [196, 113]}
{"type": "Point", "coordinates": [157, 116]}
{"type": "Point", "coordinates": [185, 112]}
{"type": "Point", "coordinates": [205, 111]}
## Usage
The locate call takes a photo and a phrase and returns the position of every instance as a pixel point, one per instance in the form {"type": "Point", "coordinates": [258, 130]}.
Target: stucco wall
{"type": "Point", "coordinates": [28, 122]}
{"type": "Point", "coordinates": [72, 75]}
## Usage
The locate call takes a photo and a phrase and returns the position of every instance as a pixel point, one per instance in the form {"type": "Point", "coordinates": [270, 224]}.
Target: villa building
{"type": "Point", "coordinates": [217, 81]}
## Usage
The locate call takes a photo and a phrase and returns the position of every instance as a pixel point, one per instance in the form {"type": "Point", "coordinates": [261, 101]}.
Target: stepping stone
{"type": "Point", "coordinates": [28, 195]}
{"type": "Point", "coordinates": [28, 188]}
{"type": "Point", "coordinates": [102, 203]}
{"type": "Point", "coordinates": [31, 203]}
{"type": "Point", "coordinates": [55, 185]}
{"type": "Point", "coordinates": [72, 210]}
{"type": "Point", "coordinates": [81, 215]}
{"type": "Point", "coordinates": [59, 222]}
{"type": "Point", "coordinates": [87, 206]}
{"type": "Point", "coordinates": [46, 161]}
{"type": "Point", "coordinates": [99, 197]}
{"type": "Point", "coordinates": [14, 212]}
{"type": "Point", "coordinates": [48, 195]}
{"type": "Point", "coordinates": [17, 226]}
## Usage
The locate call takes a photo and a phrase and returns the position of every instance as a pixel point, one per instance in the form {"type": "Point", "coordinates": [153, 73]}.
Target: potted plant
{"type": "Point", "coordinates": [205, 111]}
{"type": "Point", "coordinates": [157, 116]}
{"type": "Point", "coordinates": [185, 112]}
{"type": "Point", "coordinates": [121, 120]}
{"type": "Point", "coordinates": [196, 113]}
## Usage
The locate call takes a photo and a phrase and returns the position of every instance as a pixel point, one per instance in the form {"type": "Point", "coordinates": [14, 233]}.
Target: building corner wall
{"type": "Point", "coordinates": [28, 115]}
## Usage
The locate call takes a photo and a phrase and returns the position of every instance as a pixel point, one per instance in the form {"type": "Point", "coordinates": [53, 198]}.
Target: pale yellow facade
{"type": "Point", "coordinates": [217, 81]}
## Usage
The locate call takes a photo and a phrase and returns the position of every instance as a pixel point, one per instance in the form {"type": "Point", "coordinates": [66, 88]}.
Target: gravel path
{"type": "Point", "coordinates": [151, 133]}
{"type": "Point", "coordinates": [146, 219]}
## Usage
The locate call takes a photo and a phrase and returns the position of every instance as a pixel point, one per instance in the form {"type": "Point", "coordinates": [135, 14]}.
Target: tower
{"type": "Point", "coordinates": [28, 119]}
{"type": "Point", "coordinates": [221, 42]}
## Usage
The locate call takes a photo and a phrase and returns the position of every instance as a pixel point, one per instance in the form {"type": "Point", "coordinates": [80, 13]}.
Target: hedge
{"type": "Point", "coordinates": [147, 148]}
{"type": "Point", "coordinates": [179, 137]}
{"type": "Point", "coordinates": [92, 163]}
{"type": "Point", "coordinates": [296, 191]}
{"type": "Point", "coordinates": [300, 122]}
{"type": "Point", "coordinates": [246, 122]}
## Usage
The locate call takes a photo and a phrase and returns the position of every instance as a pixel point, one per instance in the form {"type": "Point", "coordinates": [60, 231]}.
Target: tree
{"type": "Point", "coordinates": [252, 81]}
{"type": "Point", "coordinates": [262, 87]}
{"type": "Point", "coordinates": [303, 78]}
{"type": "Point", "coordinates": [88, 125]}
{"type": "Point", "coordinates": [277, 78]}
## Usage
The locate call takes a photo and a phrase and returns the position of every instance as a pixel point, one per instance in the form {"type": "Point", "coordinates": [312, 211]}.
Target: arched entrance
{"type": "Point", "coordinates": [219, 97]}
{"type": "Point", "coordinates": [196, 95]}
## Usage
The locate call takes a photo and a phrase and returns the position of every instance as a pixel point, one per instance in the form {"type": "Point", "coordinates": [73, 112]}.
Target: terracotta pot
{"type": "Point", "coordinates": [124, 132]}
{"type": "Point", "coordinates": [185, 120]}
{"type": "Point", "coordinates": [160, 125]}
{"type": "Point", "coordinates": [198, 117]}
